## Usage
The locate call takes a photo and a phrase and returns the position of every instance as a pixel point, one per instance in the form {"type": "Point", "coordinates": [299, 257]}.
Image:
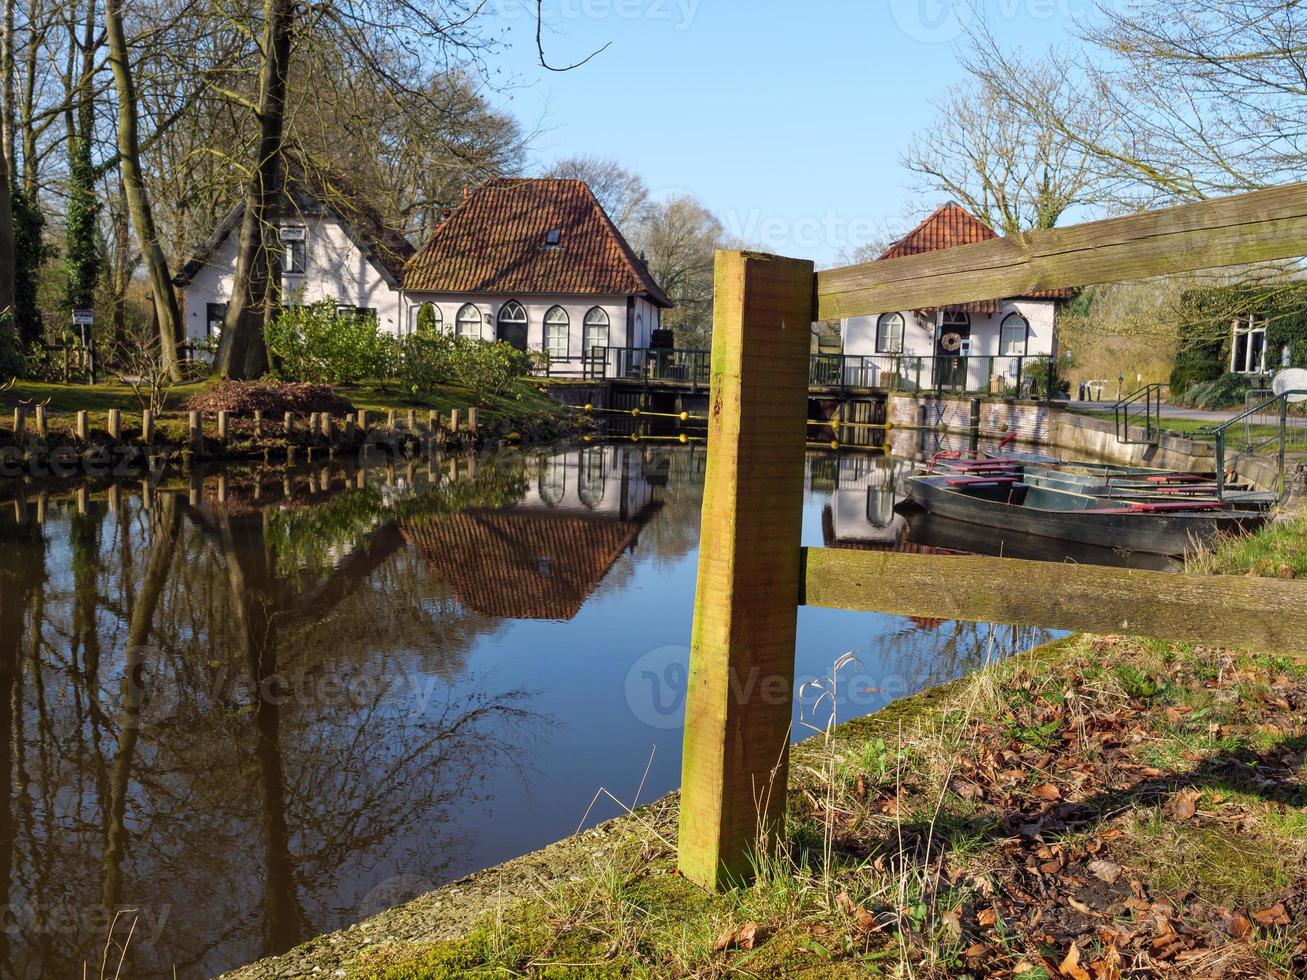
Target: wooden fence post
{"type": "Point", "coordinates": [115, 424]}
{"type": "Point", "coordinates": [289, 422]}
{"type": "Point", "coordinates": [390, 421]}
{"type": "Point", "coordinates": [195, 430]}
{"type": "Point", "coordinates": [222, 426]}
{"type": "Point", "coordinates": [147, 427]}
{"type": "Point", "coordinates": [83, 426]}
{"type": "Point", "coordinates": [412, 420]}
{"type": "Point", "coordinates": [738, 699]}
{"type": "Point", "coordinates": [453, 420]}
{"type": "Point", "coordinates": [20, 421]}
{"type": "Point", "coordinates": [258, 425]}
{"type": "Point", "coordinates": [433, 420]}
{"type": "Point", "coordinates": [42, 424]}
{"type": "Point", "coordinates": [472, 420]}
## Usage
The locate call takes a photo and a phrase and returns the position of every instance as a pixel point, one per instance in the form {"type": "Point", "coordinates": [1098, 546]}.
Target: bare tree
{"type": "Point", "coordinates": [1007, 165]}
{"type": "Point", "coordinates": [622, 193]}
{"type": "Point", "coordinates": [678, 239]}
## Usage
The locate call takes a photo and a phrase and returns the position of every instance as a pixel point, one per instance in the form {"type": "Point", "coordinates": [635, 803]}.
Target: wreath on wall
{"type": "Point", "coordinates": [951, 342]}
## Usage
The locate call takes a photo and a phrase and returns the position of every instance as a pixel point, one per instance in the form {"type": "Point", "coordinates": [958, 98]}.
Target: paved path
{"type": "Point", "coordinates": [1168, 411]}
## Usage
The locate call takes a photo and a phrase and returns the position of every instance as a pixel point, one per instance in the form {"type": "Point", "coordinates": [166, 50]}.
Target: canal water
{"type": "Point", "coordinates": [267, 704]}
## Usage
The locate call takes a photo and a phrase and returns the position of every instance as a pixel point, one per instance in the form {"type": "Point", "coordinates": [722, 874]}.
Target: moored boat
{"type": "Point", "coordinates": [1157, 527]}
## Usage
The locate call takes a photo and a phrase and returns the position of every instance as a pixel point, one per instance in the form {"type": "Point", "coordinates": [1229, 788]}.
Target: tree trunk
{"type": "Point", "coordinates": [7, 122]}
{"type": "Point", "coordinates": [138, 200]}
{"type": "Point", "coordinates": [241, 351]}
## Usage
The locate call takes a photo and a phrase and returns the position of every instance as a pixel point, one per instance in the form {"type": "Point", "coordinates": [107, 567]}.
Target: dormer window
{"type": "Point", "coordinates": [554, 238]}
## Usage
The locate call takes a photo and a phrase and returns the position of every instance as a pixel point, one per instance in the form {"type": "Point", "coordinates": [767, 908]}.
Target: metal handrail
{"type": "Point", "coordinates": [1126, 414]}
{"type": "Point", "coordinates": [1224, 464]}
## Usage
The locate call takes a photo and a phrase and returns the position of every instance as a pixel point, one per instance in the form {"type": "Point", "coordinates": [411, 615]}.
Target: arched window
{"type": "Point", "coordinates": [593, 474]}
{"type": "Point", "coordinates": [1014, 336]}
{"type": "Point", "coordinates": [425, 318]}
{"type": "Point", "coordinates": [889, 333]}
{"type": "Point", "coordinates": [553, 480]}
{"type": "Point", "coordinates": [512, 324]}
{"type": "Point", "coordinates": [469, 321]}
{"type": "Point", "coordinates": [557, 327]}
{"type": "Point", "coordinates": [596, 330]}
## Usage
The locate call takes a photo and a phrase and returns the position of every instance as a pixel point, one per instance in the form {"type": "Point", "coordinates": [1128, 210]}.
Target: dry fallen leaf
{"type": "Point", "coordinates": [1276, 915]}
{"type": "Point", "coordinates": [987, 917]}
{"type": "Point", "coordinates": [1105, 871]}
{"type": "Point", "coordinates": [1238, 925]}
{"type": "Point", "coordinates": [1184, 804]}
{"type": "Point", "coordinates": [746, 936]}
{"type": "Point", "coordinates": [1047, 791]}
{"type": "Point", "coordinates": [1070, 967]}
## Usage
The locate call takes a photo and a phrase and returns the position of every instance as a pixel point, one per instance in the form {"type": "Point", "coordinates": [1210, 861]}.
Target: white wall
{"type": "Point", "coordinates": [336, 271]}
{"type": "Point", "coordinates": [596, 480]}
{"type": "Point", "coordinates": [576, 306]}
{"type": "Point", "coordinates": [920, 332]}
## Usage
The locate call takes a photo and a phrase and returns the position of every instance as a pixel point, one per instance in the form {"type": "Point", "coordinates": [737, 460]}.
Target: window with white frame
{"type": "Point", "coordinates": [593, 476]}
{"type": "Point", "coordinates": [552, 482]}
{"type": "Point", "coordinates": [1014, 336]}
{"type": "Point", "coordinates": [556, 329]}
{"type": "Point", "coordinates": [294, 259]}
{"type": "Point", "coordinates": [596, 330]}
{"type": "Point", "coordinates": [889, 333]}
{"type": "Point", "coordinates": [433, 313]}
{"type": "Point", "coordinates": [468, 322]}
{"type": "Point", "coordinates": [1248, 345]}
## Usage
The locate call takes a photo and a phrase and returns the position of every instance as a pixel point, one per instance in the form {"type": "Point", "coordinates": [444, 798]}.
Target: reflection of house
{"type": "Point", "coordinates": [543, 557]}
{"type": "Point", "coordinates": [1001, 329]}
{"type": "Point", "coordinates": [861, 512]}
{"type": "Point", "coordinates": [539, 265]}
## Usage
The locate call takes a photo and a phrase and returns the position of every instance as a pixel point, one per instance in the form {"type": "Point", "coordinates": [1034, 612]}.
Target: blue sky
{"type": "Point", "coordinates": [786, 119]}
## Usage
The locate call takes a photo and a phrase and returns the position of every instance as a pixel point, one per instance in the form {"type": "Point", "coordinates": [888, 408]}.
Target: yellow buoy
{"type": "Point", "coordinates": [635, 411]}
{"type": "Point", "coordinates": [685, 416]}
{"type": "Point", "coordinates": [589, 407]}
{"type": "Point", "coordinates": [835, 444]}
{"type": "Point", "coordinates": [684, 437]}
{"type": "Point", "coordinates": [888, 425]}
{"type": "Point", "coordinates": [635, 437]}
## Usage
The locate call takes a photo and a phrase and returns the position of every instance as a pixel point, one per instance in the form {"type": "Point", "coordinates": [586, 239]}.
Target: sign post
{"type": "Point", "coordinates": [84, 320]}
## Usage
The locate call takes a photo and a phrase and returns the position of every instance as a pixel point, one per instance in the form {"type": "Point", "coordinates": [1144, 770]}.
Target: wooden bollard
{"type": "Point", "coordinates": [289, 423]}
{"type": "Point", "coordinates": [42, 423]}
{"type": "Point", "coordinates": [222, 488]}
{"type": "Point", "coordinates": [115, 424]}
{"type": "Point", "coordinates": [195, 430]}
{"type": "Point", "coordinates": [390, 421]}
{"type": "Point", "coordinates": [20, 421]}
{"type": "Point", "coordinates": [433, 420]}
{"type": "Point", "coordinates": [328, 427]}
{"type": "Point", "coordinates": [147, 427]}
{"type": "Point", "coordinates": [313, 424]}
{"type": "Point", "coordinates": [472, 414]}
{"type": "Point", "coordinates": [349, 428]}
{"type": "Point", "coordinates": [83, 427]}
{"type": "Point", "coordinates": [222, 426]}
{"type": "Point", "coordinates": [453, 420]}
{"type": "Point", "coordinates": [147, 496]}
{"type": "Point", "coordinates": [258, 425]}
{"type": "Point", "coordinates": [735, 757]}
{"type": "Point", "coordinates": [42, 504]}
{"type": "Point", "coordinates": [412, 420]}
{"type": "Point", "coordinates": [362, 420]}
{"type": "Point", "coordinates": [83, 500]}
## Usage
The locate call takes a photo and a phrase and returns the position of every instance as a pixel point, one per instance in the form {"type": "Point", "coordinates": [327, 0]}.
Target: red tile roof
{"type": "Point", "coordinates": [950, 226]}
{"type": "Point", "coordinates": [522, 564]}
{"type": "Point", "coordinates": [496, 243]}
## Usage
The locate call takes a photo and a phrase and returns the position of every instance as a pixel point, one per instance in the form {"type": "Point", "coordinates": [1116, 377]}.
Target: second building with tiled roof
{"type": "Point", "coordinates": [989, 344]}
{"type": "Point", "coordinates": [536, 263]}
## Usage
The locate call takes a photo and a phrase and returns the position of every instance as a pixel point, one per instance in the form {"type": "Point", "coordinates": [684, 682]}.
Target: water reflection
{"type": "Point", "coordinates": [262, 704]}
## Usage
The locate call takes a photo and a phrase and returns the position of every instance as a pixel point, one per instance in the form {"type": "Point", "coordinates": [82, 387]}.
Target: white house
{"type": "Point", "coordinates": [976, 346]}
{"type": "Point", "coordinates": [333, 248]}
{"type": "Point", "coordinates": [535, 263]}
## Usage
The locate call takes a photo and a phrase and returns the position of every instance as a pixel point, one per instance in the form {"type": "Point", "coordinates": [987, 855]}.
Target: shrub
{"type": "Point", "coordinates": [11, 352]}
{"type": "Point", "coordinates": [487, 368]}
{"type": "Point", "coordinates": [426, 325]}
{"type": "Point", "coordinates": [320, 344]}
{"type": "Point", "coordinates": [1227, 391]}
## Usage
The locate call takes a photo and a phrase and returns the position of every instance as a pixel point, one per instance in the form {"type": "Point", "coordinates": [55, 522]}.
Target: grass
{"type": "Point", "coordinates": [1125, 803]}
{"type": "Point", "coordinates": [1278, 549]}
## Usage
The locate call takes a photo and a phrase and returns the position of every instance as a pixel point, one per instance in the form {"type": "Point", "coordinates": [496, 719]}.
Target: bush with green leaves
{"type": "Point", "coordinates": [320, 344]}
{"type": "Point", "coordinates": [1227, 391]}
{"type": "Point", "coordinates": [486, 368]}
{"type": "Point", "coordinates": [11, 352]}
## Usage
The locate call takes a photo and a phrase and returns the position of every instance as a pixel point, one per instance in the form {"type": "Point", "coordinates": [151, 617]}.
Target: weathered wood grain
{"type": "Point", "coordinates": [1268, 224]}
{"type": "Point", "coordinates": [737, 716]}
{"type": "Point", "coordinates": [1261, 614]}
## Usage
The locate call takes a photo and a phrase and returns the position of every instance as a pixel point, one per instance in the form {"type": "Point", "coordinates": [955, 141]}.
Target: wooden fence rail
{"type": "Point", "coordinates": [753, 574]}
